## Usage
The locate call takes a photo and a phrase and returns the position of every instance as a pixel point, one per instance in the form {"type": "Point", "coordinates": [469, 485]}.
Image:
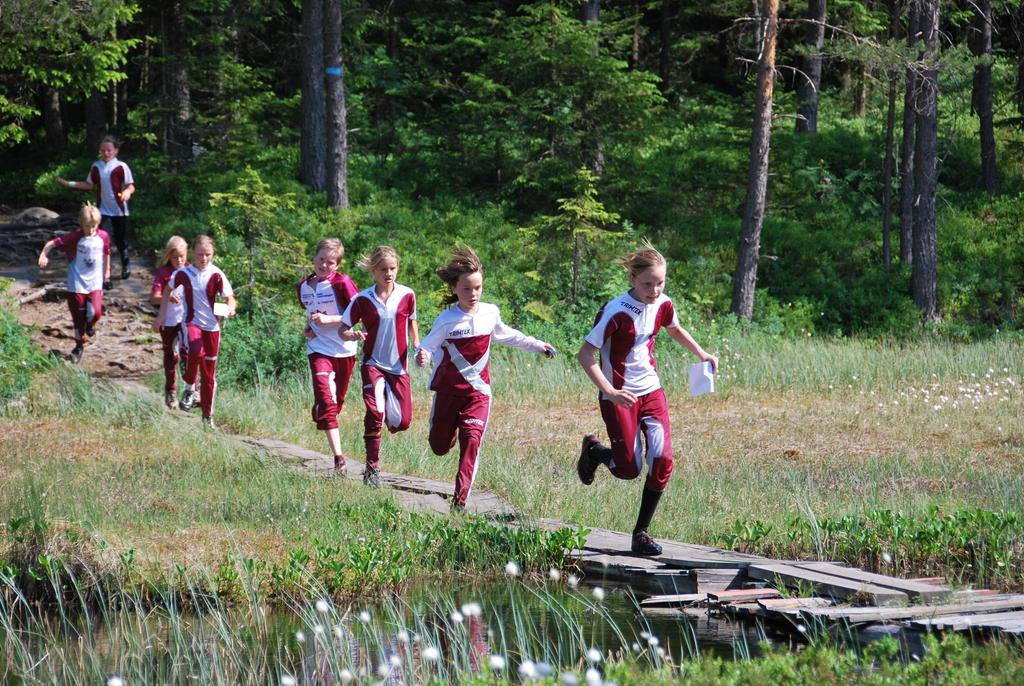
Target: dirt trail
{"type": "Point", "coordinates": [124, 345]}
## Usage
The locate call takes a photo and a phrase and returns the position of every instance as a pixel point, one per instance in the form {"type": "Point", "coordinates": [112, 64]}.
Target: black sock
{"type": "Point", "coordinates": [648, 504]}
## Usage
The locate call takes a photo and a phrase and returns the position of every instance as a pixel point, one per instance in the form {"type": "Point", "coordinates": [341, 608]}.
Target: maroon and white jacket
{"type": "Point", "coordinates": [330, 296]}
{"type": "Point", "coordinates": [464, 343]}
{"type": "Point", "coordinates": [199, 293]}
{"type": "Point", "coordinates": [109, 179]}
{"type": "Point", "coordinates": [387, 326]}
{"type": "Point", "coordinates": [624, 333]}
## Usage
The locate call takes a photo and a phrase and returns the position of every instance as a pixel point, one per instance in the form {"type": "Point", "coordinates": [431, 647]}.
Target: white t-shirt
{"type": "Point", "coordinates": [86, 256]}
{"type": "Point", "coordinates": [330, 296]}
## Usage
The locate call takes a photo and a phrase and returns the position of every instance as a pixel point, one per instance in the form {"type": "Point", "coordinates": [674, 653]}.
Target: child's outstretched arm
{"type": "Point", "coordinates": [586, 358]}
{"type": "Point", "coordinates": [43, 259]}
{"type": "Point", "coordinates": [683, 338]}
{"type": "Point", "coordinates": [506, 335]}
{"type": "Point", "coordinates": [232, 304]}
{"type": "Point", "coordinates": [106, 267]}
{"type": "Point", "coordinates": [77, 185]}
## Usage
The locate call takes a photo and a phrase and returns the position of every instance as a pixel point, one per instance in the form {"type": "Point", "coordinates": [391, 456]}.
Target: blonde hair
{"type": "Point", "coordinates": [203, 239]}
{"type": "Point", "coordinates": [175, 245]}
{"type": "Point", "coordinates": [642, 259]}
{"type": "Point", "coordinates": [464, 261]}
{"type": "Point", "coordinates": [89, 216]}
{"type": "Point", "coordinates": [334, 245]}
{"type": "Point", "coordinates": [381, 252]}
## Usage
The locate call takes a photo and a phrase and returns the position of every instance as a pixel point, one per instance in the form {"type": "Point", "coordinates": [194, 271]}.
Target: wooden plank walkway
{"type": "Point", "coordinates": [894, 614]}
{"type": "Point", "coordinates": [826, 584]}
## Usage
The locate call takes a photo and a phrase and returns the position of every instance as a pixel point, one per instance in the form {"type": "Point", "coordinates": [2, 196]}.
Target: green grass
{"type": "Point", "coordinates": [798, 432]}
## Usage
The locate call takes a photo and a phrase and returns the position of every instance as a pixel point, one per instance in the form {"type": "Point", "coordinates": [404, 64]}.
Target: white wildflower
{"type": "Point", "coordinates": [497, 662]}
{"type": "Point", "coordinates": [511, 568]}
{"type": "Point", "coordinates": [554, 574]}
{"type": "Point", "coordinates": [598, 593]}
{"type": "Point", "coordinates": [431, 654]}
{"type": "Point", "coordinates": [527, 670]}
{"type": "Point", "coordinates": [322, 606]}
{"type": "Point", "coordinates": [593, 655]}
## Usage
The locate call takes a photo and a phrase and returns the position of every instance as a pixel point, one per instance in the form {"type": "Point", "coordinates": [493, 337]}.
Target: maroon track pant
{"type": "Point", "coordinates": [330, 384]}
{"type": "Point", "coordinates": [648, 419]}
{"type": "Point", "coordinates": [463, 417]}
{"type": "Point", "coordinates": [77, 303]}
{"type": "Point", "coordinates": [203, 347]}
{"type": "Point", "coordinates": [171, 340]}
{"type": "Point", "coordinates": [388, 400]}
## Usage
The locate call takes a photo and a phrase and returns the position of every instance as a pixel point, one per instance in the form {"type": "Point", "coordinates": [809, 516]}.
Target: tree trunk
{"type": "Point", "coordinates": [95, 120]}
{"type": "Point", "coordinates": [52, 120]}
{"type": "Point", "coordinates": [887, 169]}
{"type": "Point", "coordinates": [590, 11]}
{"type": "Point", "coordinates": [745, 279]}
{"type": "Point", "coordinates": [981, 94]}
{"type": "Point", "coordinates": [634, 50]}
{"type": "Point", "coordinates": [178, 117]}
{"type": "Point", "coordinates": [313, 150]}
{"type": "Point", "coordinates": [889, 162]}
{"type": "Point", "coordinates": [925, 166]}
{"type": "Point", "coordinates": [665, 46]}
{"type": "Point", "coordinates": [860, 90]}
{"type": "Point", "coordinates": [1018, 29]}
{"type": "Point", "coordinates": [907, 145]}
{"type": "Point", "coordinates": [337, 131]}
{"type": "Point", "coordinates": [810, 80]}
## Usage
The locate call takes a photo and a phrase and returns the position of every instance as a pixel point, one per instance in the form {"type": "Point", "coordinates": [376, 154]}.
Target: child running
{"type": "Point", "coordinates": [325, 294]}
{"type": "Point", "coordinates": [170, 330]}
{"type": "Point", "coordinates": [112, 180]}
{"type": "Point", "coordinates": [201, 283]}
{"type": "Point", "coordinates": [631, 397]}
{"type": "Point", "coordinates": [88, 252]}
{"type": "Point", "coordinates": [461, 379]}
{"type": "Point", "coordinates": [388, 313]}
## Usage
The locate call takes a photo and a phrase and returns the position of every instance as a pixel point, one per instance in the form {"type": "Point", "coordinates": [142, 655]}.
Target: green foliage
{"type": "Point", "coordinates": [20, 360]}
{"type": "Point", "coordinates": [251, 213]}
{"type": "Point", "coordinates": [71, 47]}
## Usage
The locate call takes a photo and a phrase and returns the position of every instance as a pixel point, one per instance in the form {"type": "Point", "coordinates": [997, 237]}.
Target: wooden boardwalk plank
{"type": "Point", "coordinates": [673, 600]}
{"type": "Point", "coordinates": [743, 595]}
{"type": "Point", "coordinates": [824, 584]}
{"type": "Point", "coordinates": [883, 614]}
{"type": "Point", "coordinates": [926, 592]}
{"type": "Point", "coordinates": [792, 606]}
{"type": "Point", "coordinates": [964, 622]}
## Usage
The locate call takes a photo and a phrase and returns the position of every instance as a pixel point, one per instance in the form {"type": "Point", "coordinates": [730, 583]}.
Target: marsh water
{"type": "Point", "coordinates": [509, 625]}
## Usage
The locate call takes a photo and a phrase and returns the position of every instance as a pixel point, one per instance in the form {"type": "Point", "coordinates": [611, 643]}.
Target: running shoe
{"type": "Point", "coordinates": [76, 354]}
{"type": "Point", "coordinates": [643, 544]}
{"type": "Point", "coordinates": [586, 466]}
{"type": "Point", "coordinates": [371, 477]}
{"type": "Point", "coordinates": [208, 423]}
{"type": "Point", "coordinates": [340, 467]}
{"type": "Point", "coordinates": [169, 400]}
{"type": "Point", "coordinates": [189, 399]}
